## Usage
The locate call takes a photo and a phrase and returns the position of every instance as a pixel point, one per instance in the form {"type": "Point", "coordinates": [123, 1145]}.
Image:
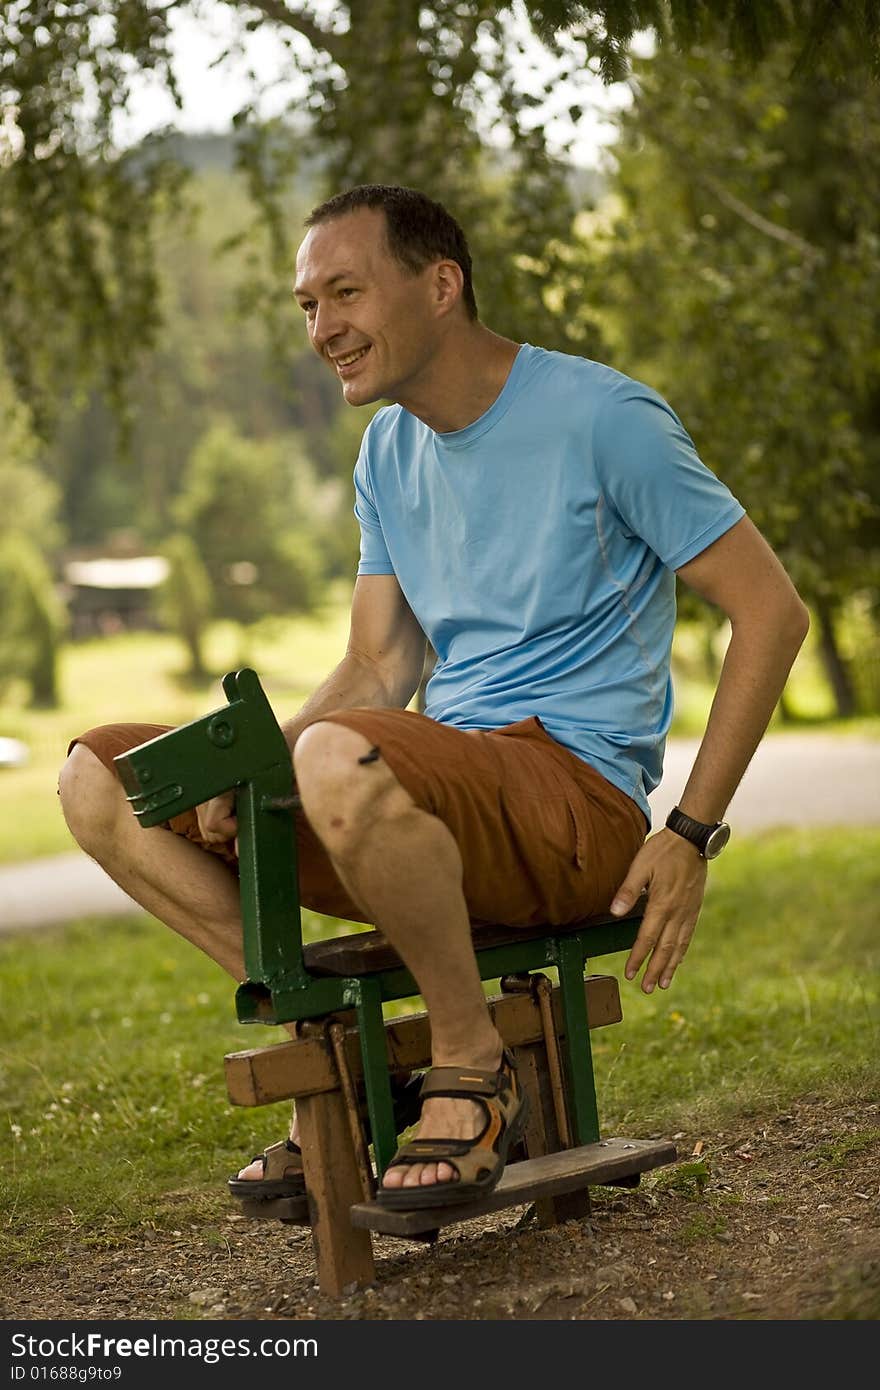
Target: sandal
{"type": "Point", "coordinates": [282, 1177]}
{"type": "Point", "coordinates": [283, 1174]}
{"type": "Point", "coordinates": [480, 1161]}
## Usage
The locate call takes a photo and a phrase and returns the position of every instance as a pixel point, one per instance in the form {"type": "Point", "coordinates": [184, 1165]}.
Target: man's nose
{"type": "Point", "coordinates": [327, 324]}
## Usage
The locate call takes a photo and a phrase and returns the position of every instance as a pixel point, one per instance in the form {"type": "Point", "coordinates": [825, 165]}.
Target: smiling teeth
{"type": "Point", "coordinates": [350, 357]}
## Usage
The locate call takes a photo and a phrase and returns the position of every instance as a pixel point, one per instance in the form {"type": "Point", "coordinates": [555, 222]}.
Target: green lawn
{"type": "Point", "coordinates": [112, 1038]}
{"type": "Point", "coordinates": [134, 677]}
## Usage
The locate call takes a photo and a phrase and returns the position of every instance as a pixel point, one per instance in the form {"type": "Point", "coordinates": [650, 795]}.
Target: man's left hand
{"type": "Point", "coordinates": [674, 874]}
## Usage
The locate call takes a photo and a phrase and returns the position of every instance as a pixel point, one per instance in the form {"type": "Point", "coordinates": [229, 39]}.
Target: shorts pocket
{"type": "Point", "coordinates": [546, 843]}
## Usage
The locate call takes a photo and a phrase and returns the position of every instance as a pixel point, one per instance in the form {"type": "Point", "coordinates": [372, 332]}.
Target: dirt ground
{"type": "Point", "coordinates": [780, 1220]}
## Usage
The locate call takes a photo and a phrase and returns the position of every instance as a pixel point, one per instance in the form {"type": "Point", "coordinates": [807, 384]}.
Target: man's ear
{"type": "Point", "coordinates": [447, 286]}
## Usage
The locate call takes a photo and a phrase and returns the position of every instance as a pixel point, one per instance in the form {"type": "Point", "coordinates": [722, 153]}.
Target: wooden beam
{"type": "Point", "coordinates": [305, 1067]}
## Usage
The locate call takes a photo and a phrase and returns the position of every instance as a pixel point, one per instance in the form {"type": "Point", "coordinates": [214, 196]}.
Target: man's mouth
{"type": "Point", "coordinates": [347, 360]}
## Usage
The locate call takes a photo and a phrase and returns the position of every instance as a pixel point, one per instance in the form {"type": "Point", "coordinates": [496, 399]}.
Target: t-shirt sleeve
{"type": "Point", "coordinates": [374, 552]}
{"type": "Point", "coordinates": [654, 480]}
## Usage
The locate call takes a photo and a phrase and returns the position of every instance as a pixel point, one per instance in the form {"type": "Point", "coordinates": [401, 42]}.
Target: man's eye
{"type": "Point", "coordinates": [308, 307]}
{"type": "Point", "coordinates": [349, 290]}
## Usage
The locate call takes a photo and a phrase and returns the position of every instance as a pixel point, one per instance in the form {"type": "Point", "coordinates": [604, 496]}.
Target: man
{"type": "Point", "coordinates": [528, 511]}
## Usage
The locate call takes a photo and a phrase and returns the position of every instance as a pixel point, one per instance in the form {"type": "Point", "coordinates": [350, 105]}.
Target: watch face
{"type": "Point", "coordinates": [716, 841]}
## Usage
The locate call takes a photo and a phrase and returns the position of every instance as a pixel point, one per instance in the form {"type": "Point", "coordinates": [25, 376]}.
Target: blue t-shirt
{"type": "Point", "coordinates": [536, 548]}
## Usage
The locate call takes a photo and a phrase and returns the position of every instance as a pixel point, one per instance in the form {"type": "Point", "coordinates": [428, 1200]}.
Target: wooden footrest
{"type": "Point", "coordinates": [553, 1175]}
{"type": "Point", "coordinates": [611, 1161]}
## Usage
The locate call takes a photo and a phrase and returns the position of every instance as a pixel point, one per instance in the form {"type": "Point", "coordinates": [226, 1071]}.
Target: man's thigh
{"type": "Point", "coordinates": [543, 837]}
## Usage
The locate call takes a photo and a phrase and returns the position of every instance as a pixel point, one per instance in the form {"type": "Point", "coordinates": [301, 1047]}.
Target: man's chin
{"type": "Point", "coordinates": [359, 393]}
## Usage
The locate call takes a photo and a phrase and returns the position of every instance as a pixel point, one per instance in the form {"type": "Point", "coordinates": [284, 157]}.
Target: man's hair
{"type": "Point", "coordinates": [418, 230]}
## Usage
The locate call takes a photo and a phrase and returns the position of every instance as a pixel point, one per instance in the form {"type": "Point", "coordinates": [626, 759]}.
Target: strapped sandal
{"type": "Point", "coordinates": [283, 1174]}
{"type": "Point", "coordinates": [479, 1162]}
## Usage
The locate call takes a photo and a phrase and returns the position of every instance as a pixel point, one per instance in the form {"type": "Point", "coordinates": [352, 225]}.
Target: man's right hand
{"type": "Point", "coordinates": [217, 819]}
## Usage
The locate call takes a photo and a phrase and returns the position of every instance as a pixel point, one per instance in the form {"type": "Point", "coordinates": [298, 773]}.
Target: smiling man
{"type": "Point", "coordinates": [527, 512]}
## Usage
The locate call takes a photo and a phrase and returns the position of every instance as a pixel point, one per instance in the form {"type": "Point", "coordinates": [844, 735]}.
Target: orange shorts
{"type": "Point", "coordinates": [543, 836]}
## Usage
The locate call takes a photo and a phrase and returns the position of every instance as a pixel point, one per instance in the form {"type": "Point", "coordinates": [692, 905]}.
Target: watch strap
{"type": "Point", "coordinates": [696, 831]}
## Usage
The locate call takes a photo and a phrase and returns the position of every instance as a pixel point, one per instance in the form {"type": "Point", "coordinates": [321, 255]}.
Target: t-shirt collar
{"type": "Point", "coordinates": [461, 439]}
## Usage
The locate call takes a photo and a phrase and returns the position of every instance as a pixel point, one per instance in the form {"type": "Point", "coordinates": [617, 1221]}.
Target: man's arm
{"type": "Point", "coordinates": [383, 662]}
{"type": "Point", "coordinates": [382, 666]}
{"type": "Point", "coordinates": [741, 574]}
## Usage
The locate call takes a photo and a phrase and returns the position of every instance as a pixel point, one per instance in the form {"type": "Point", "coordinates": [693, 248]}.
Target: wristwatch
{"type": "Point", "coordinates": [709, 839]}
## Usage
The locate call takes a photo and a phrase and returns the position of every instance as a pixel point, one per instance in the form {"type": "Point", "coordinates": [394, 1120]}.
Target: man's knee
{"type": "Point", "coordinates": [340, 775]}
{"type": "Point", "coordinates": [329, 755]}
{"type": "Point", "coordinates": [90, 795]}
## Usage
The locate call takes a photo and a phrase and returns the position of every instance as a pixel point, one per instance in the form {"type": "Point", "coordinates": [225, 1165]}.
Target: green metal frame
{"type": "Point", "coordinates": [241, 746]}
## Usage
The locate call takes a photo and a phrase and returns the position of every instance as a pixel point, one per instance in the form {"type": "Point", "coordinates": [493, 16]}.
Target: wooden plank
{"type": "Point", "coordinates": [304, 1066]}
{"type": "Point", "coordinates": [343, 1253]}
{"type": "Point", "coordinates": [542, 1134]}
{"type": "Point", "coordinates": [364, 953]}
{"type": "Point", "coordinates": [532, 1180]}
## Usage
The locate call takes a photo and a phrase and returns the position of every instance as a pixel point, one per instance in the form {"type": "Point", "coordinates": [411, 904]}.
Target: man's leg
{"type": "Point", "coordinates": [401, 863]}
{"type": "Point", "coordinates": [181, 884]}
{"type": "Point", "coordinates": [190, 890]}
{"type": "Point", "coordinates": [403, 866]}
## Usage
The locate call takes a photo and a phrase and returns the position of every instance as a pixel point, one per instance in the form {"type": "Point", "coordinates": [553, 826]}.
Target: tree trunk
{"type": "Point", "coordinates": [835, 665]}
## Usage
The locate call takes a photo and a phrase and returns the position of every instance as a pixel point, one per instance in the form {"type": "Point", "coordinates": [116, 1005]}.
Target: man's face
{"type": "Point", "coordinates": [369, 318]}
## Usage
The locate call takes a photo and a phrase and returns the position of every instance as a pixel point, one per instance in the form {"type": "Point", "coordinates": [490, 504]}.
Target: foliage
{"type": "Point", "coordinates": [742, 278]}
{"type": "Point", "coordinates": [821, 34]}
{"type": "Point", "coordinates": [209, 361]}
{"type": "Point", "coordinates": [186, 598]}
{"type": "Point", "coordinates": [78, 282]}
{"type": "Point", "coordinates": [241, 504]}
{"type": "Point", "coordinates": [30, 621]}
{"type": "Point", "coordinates": [77, 279]}
{"type": "Point", "coordinates": [28, 498]}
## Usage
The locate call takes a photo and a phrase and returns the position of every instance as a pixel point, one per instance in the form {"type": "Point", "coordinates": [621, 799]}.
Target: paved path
{"type": "Point", "coordinates": [794, 779]}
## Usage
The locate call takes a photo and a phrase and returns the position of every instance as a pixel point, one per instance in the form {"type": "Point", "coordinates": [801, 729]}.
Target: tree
{"type": "Point", "coordinates": [30, 620]}
{"type": "Point", "coordinates": [241, 506]}
{"type": "Point", "coordinates": [210, 360]}
{"type": "Point", "coordinates": [78, 287]}
{"type": "Point", "coordinates": [742, 278]}
{"type": "Point", "coordinates": [29, 500]}
{"type": "Point", "coordinates": [186, 599]}
{"type": "Point", "coordinates": [30, 616]}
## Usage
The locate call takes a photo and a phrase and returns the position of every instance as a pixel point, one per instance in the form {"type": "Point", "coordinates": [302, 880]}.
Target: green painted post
{"type": "Point", "coordinates": [367, 995]}
{"type": "Point", "coordinates": [238, 747]}
{"type": "Point", "coordinates": [270, 915]}
{"type": "Point", "coordinates": [578, 1054]}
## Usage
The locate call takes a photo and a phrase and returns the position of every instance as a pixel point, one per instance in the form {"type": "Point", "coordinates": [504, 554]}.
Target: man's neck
{"type": "Point", "coordinates": [465, 378]}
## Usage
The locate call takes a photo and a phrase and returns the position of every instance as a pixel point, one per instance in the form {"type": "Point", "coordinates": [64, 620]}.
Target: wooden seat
{"type": "Point", "coordinates": [364, 953]}
{"type": "Point", "coordinates": [335, 991]}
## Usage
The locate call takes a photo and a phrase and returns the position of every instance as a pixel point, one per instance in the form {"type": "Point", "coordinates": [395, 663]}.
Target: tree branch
{"type": "Point", "coordinates": [280, 13]}
{"type": "Point", "coordinates": [733, 203]}
{"type": "Point", "coordinates": [757, 220]}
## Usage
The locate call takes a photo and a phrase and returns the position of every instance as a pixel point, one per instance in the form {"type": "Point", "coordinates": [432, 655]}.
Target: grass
{"type": "Point", "coordinates": [781, 999]}
{"type": "Point", "coordinates": [113, 1033]}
